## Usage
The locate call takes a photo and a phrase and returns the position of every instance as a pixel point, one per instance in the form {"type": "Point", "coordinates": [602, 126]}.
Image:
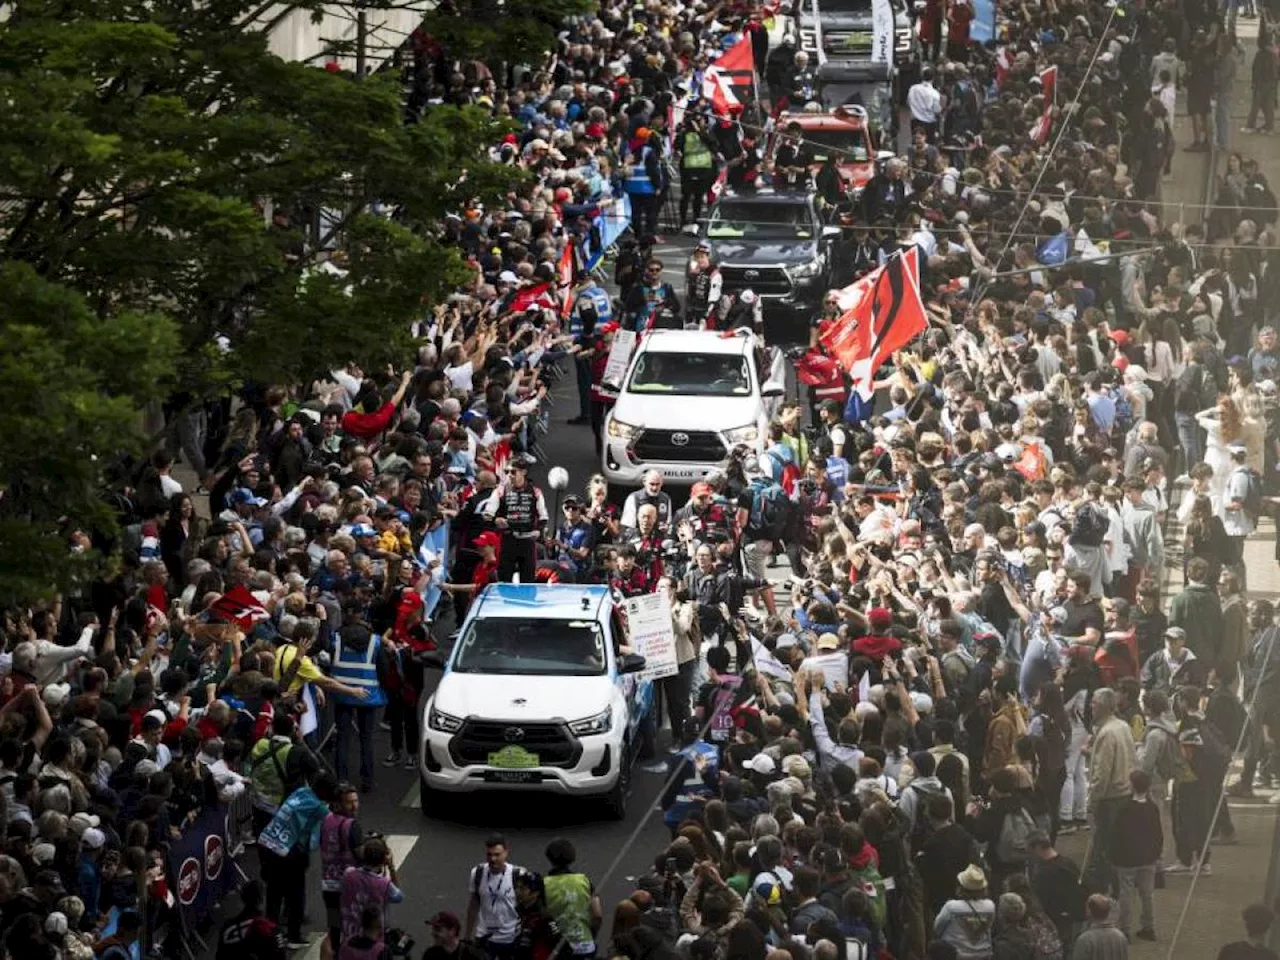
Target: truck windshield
{"type": "Point", "coordinates": [842, 144]}
{"type": "Point", "coordinates": [542, 648]}
{"type": "Point", "coordinates": [839, 6]}
{"type": "Point", "coordinates": [713, 374]}
{"type": "Point", "coordinates": [733, 219]}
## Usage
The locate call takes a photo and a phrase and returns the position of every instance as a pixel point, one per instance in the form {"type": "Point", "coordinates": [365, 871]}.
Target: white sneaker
{"type": "Point", "coordinates": [1178, 868]}
{"type": "Point", "coordinates": [1206, 870]}
{"type": "Point", "coordinates": [1275, 799]}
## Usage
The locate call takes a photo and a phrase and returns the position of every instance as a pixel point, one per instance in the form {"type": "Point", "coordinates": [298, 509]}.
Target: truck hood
{"type": "Point", "coordinates": [672, 412]}
{"type": "Point", "coordinates": [522, 698]}
{"type": "Point", "coordinates": [745, 253]}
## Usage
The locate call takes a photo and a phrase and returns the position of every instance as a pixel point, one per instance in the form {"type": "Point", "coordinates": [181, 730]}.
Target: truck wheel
{"type": "Point", "coordinates": [616, 799]}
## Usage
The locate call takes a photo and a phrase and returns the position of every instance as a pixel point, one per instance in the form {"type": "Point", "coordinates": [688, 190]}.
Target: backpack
{"type": "Point", "coordinates": [1253, 492]}
{"type": "Point", "coordinates": [1034, 464]}
{"type": "Point", "coordinates": [770, 510]}
{"type": "Point", "coordinates": [788, 472]}
{"type": "Point", "coordinates": [1124, 414]}
{"type": "Point", "coordinates": [1011, 846]}
{"type": "Point", "coordinates": [920, 826]}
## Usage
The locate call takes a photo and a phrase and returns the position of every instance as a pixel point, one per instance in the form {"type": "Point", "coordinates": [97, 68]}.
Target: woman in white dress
{"type": "Point", "coordinates": [1223, 425]}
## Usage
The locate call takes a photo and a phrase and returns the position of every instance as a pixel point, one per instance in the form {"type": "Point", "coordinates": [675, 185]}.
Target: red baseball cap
{"type": "Point", "coordinates": [879, 618]}
{"type": "Point", "coordinates": [701, 489]}
{"type": "Point", "coordinates": [445, 919]}
{"type": "Point", "coordinates": [487, 539]}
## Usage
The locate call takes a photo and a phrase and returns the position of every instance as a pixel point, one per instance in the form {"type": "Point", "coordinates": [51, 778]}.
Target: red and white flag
{"type": "Point", "coordinates": [885, 313]}
{"type": "Point", "coordinates": [718, 91]}
{"type": "Point", "coordinates": [1049, 87]}
{"type": "Point", "coordinates": [1049, 84]}
{"type": "Point", "coordinates": [717, 185]}
{"type": "Point", "coordinates": [565, 271]}
{"type": "Point", "coordinates": [240, 607]}
{"type": "Point", "coordinates": [1003, 63]}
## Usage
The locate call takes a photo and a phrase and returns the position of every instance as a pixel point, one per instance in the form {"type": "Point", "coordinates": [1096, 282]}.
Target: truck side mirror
{"type": "Point", "coordinates": [630, 663]}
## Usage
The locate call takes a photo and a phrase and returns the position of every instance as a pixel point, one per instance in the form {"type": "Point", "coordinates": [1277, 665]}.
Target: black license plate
{"type": "Point", "coordinates": [512, 776]}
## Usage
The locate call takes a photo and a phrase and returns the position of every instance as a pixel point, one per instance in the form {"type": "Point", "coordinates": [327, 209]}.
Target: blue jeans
{"type": "Point", "coordinates": [1222, 120]}
{"type": "Point", "coordinates": [363, 720]}
{"type": "Point", "coordinates": [1190, 439]}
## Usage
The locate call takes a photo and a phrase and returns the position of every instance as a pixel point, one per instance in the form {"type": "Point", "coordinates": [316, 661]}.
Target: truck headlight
{"type": "Point", "coordinates": [623, 431]}
{"type": "Point", "coordinates": [806, 271]}
{"type": "Point", "coordinates": [747, 434]}
{"type": "Point", "coordinates": [444, 722]}
{"type": "Point", "coordinates": [590, 726]}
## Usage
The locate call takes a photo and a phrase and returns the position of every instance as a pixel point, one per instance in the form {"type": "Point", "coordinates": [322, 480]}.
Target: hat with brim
{"type": "Point", "coordinates": [972, 879]}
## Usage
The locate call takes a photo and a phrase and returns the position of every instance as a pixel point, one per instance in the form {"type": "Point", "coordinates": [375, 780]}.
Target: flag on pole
{"type": "Point", "coordinates": [565, 272]}
{"type": "Point", "coordinates": [717, 185]}
{"type": "Point", "coordinates": [1003, 63]}
{"type": "Point", "coordinates": [884, 314]}
{"type": "Point", "coordinates": [1049, 87]}
{"type": "Point", "coordinates": [718, 92]}
{"type": "Point", "coordinates": [1049, 83]}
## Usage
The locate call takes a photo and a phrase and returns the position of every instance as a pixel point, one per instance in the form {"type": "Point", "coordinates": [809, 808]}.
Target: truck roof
{"type": "Point", "coordinates": [551, 601]}
{"type": "Point", "coordinates": [693, 341]}
{"type": "Point", "coordinates": [821, 121]}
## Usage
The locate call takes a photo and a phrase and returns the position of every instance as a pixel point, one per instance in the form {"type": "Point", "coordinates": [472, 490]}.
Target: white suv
{"type": "Point", "coordinates": [688, 398]}
{"type": "Point", "coordinates": [538, 696]}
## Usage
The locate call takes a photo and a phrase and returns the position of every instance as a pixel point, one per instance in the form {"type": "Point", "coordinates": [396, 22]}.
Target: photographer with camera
{"type": "Point", "coordinates": [371, 884]}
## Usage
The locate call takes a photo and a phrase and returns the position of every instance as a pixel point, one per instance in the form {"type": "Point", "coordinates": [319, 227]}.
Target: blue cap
{"type": "Point", "coordinates": [245, 495]}
{"type": "Point", "coordinates": [363, 530]}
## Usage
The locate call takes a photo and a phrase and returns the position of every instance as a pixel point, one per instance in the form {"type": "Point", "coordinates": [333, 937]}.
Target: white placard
{"type": "Point", "coordinates": [624, 342]}
{"type": "Point", "coordinates": [653, 635]}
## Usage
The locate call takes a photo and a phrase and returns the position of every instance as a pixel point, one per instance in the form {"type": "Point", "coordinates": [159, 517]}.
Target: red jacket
{"type": "Point", "coordinates": [366, 426]}
{"type": "Point", "coordinates": [875, 647]}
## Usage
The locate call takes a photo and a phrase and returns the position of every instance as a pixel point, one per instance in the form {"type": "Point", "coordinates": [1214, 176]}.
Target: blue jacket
{"type": "Point", "coordinates": [296, 824]}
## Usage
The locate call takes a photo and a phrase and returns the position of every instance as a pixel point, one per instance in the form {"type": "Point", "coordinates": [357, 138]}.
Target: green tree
{"type": "Point", "coordinates": [141, 147]}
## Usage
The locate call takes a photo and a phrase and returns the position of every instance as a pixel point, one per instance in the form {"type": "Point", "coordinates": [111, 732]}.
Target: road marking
{"type": "Point", "coordinates": [412, 798]}
{"type": "Point", "coordinates": [400, 844]}
{"type": "Point", "coordinates": [316, 943]}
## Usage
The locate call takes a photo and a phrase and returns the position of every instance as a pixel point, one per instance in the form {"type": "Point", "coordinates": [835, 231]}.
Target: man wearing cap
{"type": "Point", "coordinates": [644, 183]}
{"type": "Point", "coordinates": [573, 540]}
{"type": "Point", "coordinates": [1173, 666]}
{"type": "Point", "coordinates": [88, 872]}
{"type": "Point", "coordinates": [702, 515]}
{"type": "Point", "coordinates": [879, 642]}
{"type": "Point", "coordinates": [518, 509]}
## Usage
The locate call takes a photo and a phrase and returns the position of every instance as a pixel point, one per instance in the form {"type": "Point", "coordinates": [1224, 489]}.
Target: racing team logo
{"type": "Point", "coordinates": [189, 881]}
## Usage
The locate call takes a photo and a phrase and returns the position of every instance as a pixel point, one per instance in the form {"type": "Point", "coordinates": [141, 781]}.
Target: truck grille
{"type": "Point", "coordinates": [848, 42]}
{"type": "Point", "coordinates": [766, 281]}
{"type": "Point", "coordinates": [552, 742]}
{"type": "Point", "coordinates": [700, 446]}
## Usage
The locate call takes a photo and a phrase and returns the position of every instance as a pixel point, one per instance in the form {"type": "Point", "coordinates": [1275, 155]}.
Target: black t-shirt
{"type": "Point", "coordinates": [1080, 616]}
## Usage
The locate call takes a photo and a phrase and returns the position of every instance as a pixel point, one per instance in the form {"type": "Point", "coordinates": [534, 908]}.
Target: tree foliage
{"type": "Point", "coordinates": [142, 145]}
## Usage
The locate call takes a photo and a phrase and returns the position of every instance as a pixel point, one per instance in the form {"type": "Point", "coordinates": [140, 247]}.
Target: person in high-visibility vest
{"type": "Point", "coordinates": [359, 662]}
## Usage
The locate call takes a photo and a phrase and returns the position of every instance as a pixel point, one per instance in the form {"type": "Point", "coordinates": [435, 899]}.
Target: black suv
{"type": "Point", "coordinates": [778, 245]}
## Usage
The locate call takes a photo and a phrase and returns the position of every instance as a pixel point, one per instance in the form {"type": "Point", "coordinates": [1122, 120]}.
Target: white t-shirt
{"type": "Point", "coordinates": [460, 376]}
{"type": "Point", "coordinates": [497, 919]}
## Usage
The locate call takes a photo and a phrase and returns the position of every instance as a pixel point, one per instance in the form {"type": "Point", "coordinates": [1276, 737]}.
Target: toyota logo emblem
{"type": "Point", "coordinates": [513, 734]}
{"type": "Point", "coordinates": [751, 274]}
{"type": "Point", "coordinates": [680, 439]}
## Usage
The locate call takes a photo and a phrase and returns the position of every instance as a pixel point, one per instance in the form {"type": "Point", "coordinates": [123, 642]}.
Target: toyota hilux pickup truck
{"type": "Point", "coordinates": [537, 695]}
